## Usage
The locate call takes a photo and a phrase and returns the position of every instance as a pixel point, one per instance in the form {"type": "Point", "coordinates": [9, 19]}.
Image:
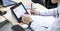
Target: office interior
{"type": "Point", "coordinates": [39, 23]}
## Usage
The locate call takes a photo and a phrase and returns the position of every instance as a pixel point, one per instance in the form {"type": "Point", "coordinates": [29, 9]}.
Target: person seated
{"type": "Point", "coordinates": [53, 12]}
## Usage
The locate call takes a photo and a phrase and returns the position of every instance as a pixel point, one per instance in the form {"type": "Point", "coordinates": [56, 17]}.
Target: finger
{"type": "Point", "coordinates": [32, 11]}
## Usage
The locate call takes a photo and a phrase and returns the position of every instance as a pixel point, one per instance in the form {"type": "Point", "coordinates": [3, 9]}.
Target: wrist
{"type": "Point", "coordinates": [39, 13]}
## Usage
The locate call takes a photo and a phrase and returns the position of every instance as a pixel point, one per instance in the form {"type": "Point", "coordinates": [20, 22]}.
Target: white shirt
{"type": "Point", "coordinates": [50, 12]}
{"type": "Point", "coordinates": [56, 25]}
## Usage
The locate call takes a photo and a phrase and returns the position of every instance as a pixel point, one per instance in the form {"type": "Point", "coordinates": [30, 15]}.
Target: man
{"type": "Point", "coordinates": [52, 12]}
{"type": "Point", "coordinates": [56, 25]}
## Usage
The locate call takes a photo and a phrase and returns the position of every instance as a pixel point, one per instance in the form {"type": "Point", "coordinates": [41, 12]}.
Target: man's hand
{"type": "Point", "coordinates": [26, 19]}
{"type": "Point", "coordinates": [34, 12]}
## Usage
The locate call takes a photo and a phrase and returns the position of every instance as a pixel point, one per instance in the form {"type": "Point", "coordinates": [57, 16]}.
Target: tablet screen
{"type": "Point", "coordinates": [19, 11]}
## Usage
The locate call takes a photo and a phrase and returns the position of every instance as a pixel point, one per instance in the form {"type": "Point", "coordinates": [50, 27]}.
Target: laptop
{"type": "Point", "coordinates": [18, 10]}
{"type": "Point", "coordinates": [7, 3]}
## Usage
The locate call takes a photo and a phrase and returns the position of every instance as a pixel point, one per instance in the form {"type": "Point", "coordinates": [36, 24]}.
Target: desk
{"type": "Point", "coordinates": [8, 16]}
{"type": "Point", "coordinates": [2, 19]}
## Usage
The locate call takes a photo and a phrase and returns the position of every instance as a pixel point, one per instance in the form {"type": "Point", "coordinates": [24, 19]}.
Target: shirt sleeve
{"type": "Point", "coordinates": [49, 12]}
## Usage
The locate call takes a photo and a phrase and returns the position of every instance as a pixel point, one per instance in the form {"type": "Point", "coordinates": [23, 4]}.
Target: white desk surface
{"type": "Point", "coordinates": [8, 15]}
{"type": "Point", "coordinates": [2, 19]}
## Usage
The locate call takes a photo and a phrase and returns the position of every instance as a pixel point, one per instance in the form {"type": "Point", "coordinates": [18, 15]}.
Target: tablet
{"type": "Point", "coordinates": [18, 10]}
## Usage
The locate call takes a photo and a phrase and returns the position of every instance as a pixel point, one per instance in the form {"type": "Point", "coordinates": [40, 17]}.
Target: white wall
{"type": "Point", "coordinates": [24, 1]}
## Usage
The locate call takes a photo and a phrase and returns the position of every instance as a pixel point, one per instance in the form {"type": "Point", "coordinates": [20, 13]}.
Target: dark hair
{"type": "Point", "coordinates": [35, 1]}
{"type": "Point", "coordinates": [38, 1]}
{"type": "Point", "coordinates": [48, 4]}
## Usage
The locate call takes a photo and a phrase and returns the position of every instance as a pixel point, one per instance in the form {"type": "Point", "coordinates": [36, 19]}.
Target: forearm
{"type": "Point", "coordinates": [49, 12]}
{"type": "Point", "coordinates": [46, 14]}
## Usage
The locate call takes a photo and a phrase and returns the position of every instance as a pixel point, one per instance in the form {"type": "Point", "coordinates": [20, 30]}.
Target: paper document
{"type": "Point", "coordinates": [43, 20]}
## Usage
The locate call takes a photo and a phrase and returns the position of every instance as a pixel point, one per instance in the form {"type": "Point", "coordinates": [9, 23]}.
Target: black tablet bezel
{"type": "Point", "coordinates": [19, 20]}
